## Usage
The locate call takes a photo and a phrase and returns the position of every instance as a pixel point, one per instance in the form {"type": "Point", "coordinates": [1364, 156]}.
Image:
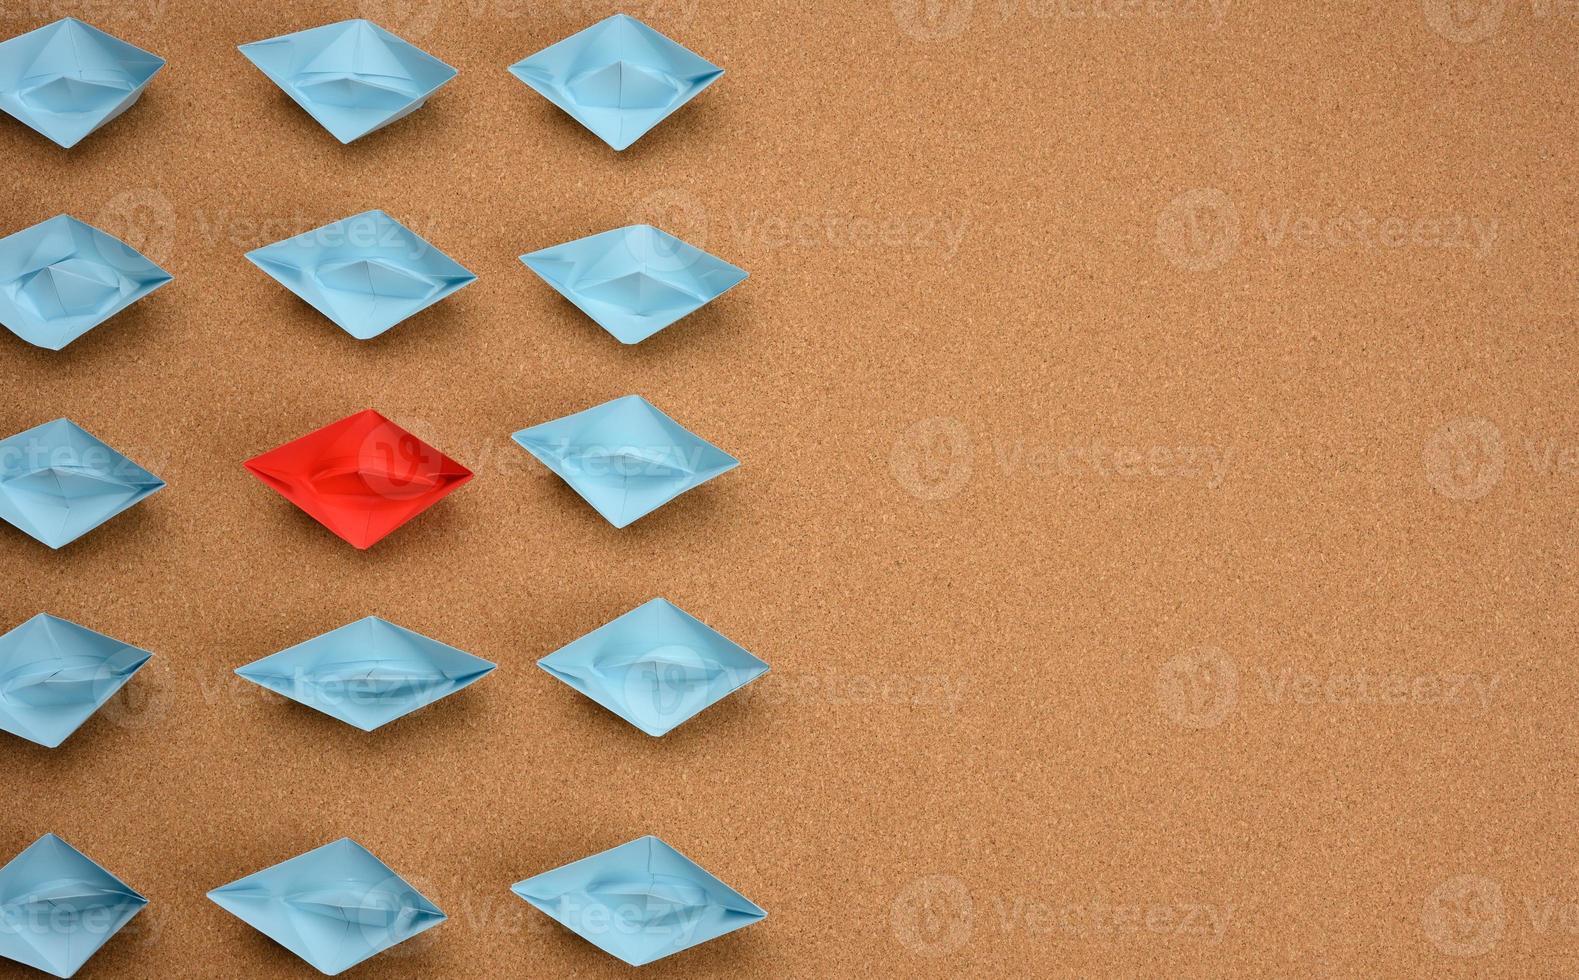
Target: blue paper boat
{"type": "Point", "coordinates": [334, 906]}
{"type": "Point", "coordinates": [353, 77]}
{"type": "Point", "coordinates": [55, 674]}
{"type": "Point", "coordinates": [59, 907]}
{"type": "Point", "coordinates": [57, 482]}
{"type": "Point", "coordinates": [656, 666]}
{"type": "Point", "coordinates": [619, 77]}
{"type": "Point", "coordinates": [68, 78]}
{"type": "Point", "coordinates": [368, 673]}
{"type": "Point", "coordinates": [367, 272]}
{"type": "Point", "coordinates": [634, 281]}
{"type": "Point", "coordinates": [61, 278]}
{"type": "Point", "coordinates": [625, 457]}
{"type": "Point", "coordinates": [640, 901]}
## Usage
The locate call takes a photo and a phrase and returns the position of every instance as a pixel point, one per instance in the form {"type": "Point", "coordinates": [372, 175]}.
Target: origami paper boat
{"type": "Point", "coordinates": [367, 272]}
{"type": "Point", "coordinates": [353, 77]}
{"type": "Point", "coordinates": [634, 281]}
{"type": "Point", "coordinates": [61, 278]}
{"type": "Point", "coordinates": [334, 906]}
{"type": "Point", "coordinates": [57, 482]}
{"type": "Point", "coordinates": [361, 477]}
{"type": "Point", "coordinates": [55, 674]}
{"type": "Point", "coordinates": [619, 77]}
{"type": "Point", "coordinates": [67, 79]}
{"type": "Point", "coordinates": [625, 457]}
{"type": "Point", "coordinates": [59, 907]}
{"type": "Point", "coordinates": [656, 666]}
{"type": "Point", "coordinates": [662, 901]}
{"type": "Point", "coordinates": [368, 673]}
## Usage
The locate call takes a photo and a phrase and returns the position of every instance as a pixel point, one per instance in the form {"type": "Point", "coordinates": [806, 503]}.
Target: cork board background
{"type": "Point", "coordinates": [1159, 454]}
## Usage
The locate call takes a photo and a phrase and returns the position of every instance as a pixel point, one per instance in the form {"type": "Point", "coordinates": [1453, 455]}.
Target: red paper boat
{"type": "Point", "coordinates": [360, 477]}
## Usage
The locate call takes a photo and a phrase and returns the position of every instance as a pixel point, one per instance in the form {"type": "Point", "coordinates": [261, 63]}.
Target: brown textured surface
{"type": "Point", "coordinates": [1135, 602]}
